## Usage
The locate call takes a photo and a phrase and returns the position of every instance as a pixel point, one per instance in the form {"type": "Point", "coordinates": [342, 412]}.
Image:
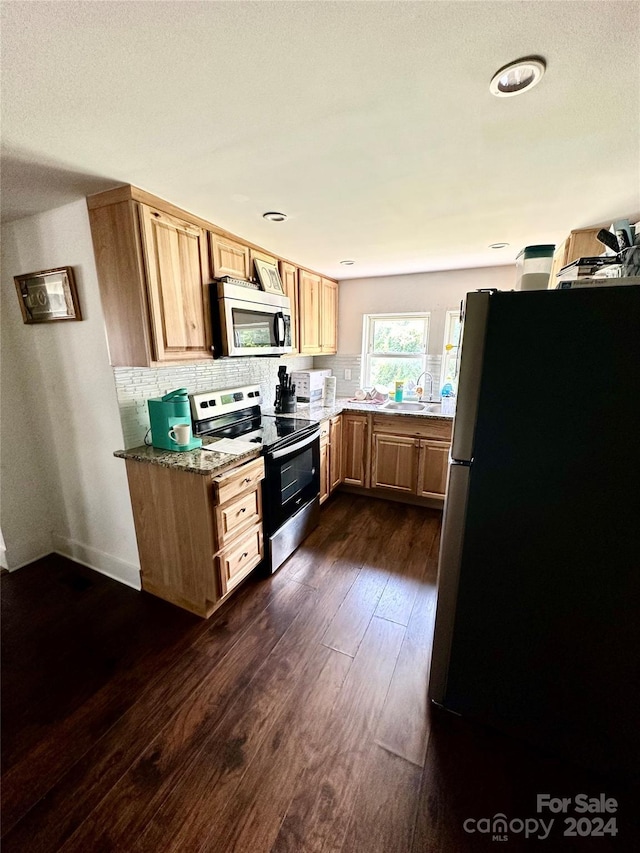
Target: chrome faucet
{"type": "Point", "coordinates": [425, 374]}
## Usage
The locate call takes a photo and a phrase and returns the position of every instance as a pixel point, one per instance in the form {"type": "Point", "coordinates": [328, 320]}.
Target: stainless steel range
{"type": "Point", "coordinates": [291, 449]}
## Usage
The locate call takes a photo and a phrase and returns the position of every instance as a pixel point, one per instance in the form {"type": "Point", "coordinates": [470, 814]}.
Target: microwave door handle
{"type": "Point", "coordinates": [278, 329]}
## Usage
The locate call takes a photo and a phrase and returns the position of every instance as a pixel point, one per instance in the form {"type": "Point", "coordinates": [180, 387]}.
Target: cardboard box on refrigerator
{"type": "Point", "coordinates": [309, 384]}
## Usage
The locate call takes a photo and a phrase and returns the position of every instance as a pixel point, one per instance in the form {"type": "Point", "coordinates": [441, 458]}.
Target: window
{"type": "Point", "coordinates": [395, 347]}
{"type": "Point", "coordinates": [452, 328]}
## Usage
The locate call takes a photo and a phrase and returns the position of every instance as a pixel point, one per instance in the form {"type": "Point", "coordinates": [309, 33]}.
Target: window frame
{"type": "Point", "coordinates": [451, 316]}
{"type": "Point", "coordinates": [368, 333]}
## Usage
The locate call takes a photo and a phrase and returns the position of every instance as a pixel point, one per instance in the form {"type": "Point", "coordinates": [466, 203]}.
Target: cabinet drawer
{"type": "Point", "coordinates": [237, 481]}
{"type": "Point", "coordinates": [238, 514]}
{"type": "Point", "coordinates": [235, 562]}
{"type": "Point", "coordinates": [417, 427]}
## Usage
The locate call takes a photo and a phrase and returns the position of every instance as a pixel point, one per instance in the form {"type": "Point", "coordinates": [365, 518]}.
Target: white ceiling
{"type": "Point", "coordinates": [370, 124]}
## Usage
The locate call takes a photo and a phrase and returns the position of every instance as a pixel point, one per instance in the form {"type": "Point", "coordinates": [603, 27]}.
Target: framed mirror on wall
{"type": "Point", "coordinates": [48, 296]}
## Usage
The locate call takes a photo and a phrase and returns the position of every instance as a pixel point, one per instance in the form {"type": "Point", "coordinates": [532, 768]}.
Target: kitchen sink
{"type": "Point", "coordinates": [392, 406]}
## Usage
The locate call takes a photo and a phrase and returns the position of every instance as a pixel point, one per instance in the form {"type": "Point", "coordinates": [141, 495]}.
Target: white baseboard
{"type": "Point", "coordinates": [106, 564]}
{"type": "Point", "coordinates": [28, 562]}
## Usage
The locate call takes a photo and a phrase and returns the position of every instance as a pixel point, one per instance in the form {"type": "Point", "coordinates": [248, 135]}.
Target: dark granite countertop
{"type": "Point", "coordinates": [209, 462]}
{"type": "Point", "coordinates": [317, 413]}
{"type": "Point", "coordinates": [199, 461]}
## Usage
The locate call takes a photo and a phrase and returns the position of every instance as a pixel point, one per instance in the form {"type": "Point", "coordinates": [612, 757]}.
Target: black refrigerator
{"type": "Point", "coordinates": [538, 616]}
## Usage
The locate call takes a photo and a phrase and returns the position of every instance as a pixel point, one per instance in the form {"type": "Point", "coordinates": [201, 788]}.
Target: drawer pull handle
{"type": "Point", "coordinates": [240, 511]}
{"type": "Point", "coordinates": [247, 480]}
{"type": "Point", "coordinates": [246, 554]}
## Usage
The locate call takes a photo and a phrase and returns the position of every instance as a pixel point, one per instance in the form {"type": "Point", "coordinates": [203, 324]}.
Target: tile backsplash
{"type": "Point", "coordinates": [135, 385]}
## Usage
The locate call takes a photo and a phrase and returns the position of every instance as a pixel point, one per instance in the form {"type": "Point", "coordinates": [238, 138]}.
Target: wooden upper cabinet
{"type": "Point", "coordinates": [154, 264]}
{"type": "Point", "coordinates": [329, 317]}
{"type": "Point", "coordinates": [229, 258]}
{"type": "Point", "coordinates": [310, 295]}
{"type": "Point", "coordinates": [175, 262]}
{"type": "Point", "coordinates": [581, 243]}
{"type": "Point", "coordinates": [318, 315]}
{"type": "Point", "coordinates": [289, 276]}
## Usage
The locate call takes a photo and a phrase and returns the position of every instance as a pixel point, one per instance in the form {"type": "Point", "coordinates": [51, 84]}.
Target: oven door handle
{"type": "Point", "coordinates": [278, 454]}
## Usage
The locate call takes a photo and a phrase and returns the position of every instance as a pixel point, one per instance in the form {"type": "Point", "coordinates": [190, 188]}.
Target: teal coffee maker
{"type": "Point", "coordinates": [166, 413]}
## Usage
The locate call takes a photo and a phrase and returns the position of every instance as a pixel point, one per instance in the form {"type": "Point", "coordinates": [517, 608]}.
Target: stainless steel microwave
{"type": "Point", "coordinates": [249, 322]}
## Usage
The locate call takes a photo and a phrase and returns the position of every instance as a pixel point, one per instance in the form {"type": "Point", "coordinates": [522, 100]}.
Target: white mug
{"type": "Point", "coordinates": [180, 433]}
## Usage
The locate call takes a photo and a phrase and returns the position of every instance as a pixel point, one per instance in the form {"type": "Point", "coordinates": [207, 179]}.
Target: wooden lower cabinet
{"type": "Point", "coordinates": [324, 469]}
{"type": "Point", "coordinates": [335, 459]}
{"type": "Point", "coordinates": [355, 449]}
{"type": "Point", "coordinates": [394, 463]}
{"type": "Point", "coordinates": [399, 455]}
{"type": "Point", "coordinates": [330, 456]}
{"type": "Point", "coordinates": [198, 536]}
{"type": "Point", "coordinates": [432, 468]}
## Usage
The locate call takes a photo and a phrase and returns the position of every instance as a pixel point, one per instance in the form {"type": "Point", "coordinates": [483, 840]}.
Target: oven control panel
{"type": "Point", "coordinates": [208, 404]}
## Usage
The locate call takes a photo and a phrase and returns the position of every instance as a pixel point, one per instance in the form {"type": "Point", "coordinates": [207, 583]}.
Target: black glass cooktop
{"type": "Point", "coordinates": [275, 429]}
{"type": "Point", "coordinates": [248, 425]}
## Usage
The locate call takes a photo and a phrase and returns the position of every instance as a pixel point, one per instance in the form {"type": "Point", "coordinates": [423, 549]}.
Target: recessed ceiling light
{"type": "Point", "coordinates": [274, 216]}
{"type": "Point", "coordinates": [347, 263]}
{"type": "Point", "coordinates": [517, 77]}
{"type": "Point", "coordinates": [498, 245]}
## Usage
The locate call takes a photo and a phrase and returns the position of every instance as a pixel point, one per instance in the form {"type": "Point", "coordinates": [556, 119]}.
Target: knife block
{"type": "Point", "coordinates": [285, 402]}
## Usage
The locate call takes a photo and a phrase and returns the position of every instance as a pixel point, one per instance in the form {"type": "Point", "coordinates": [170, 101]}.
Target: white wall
{"type": "Point", "coordinates": [436, 292]}
{"type": "Point", "coordinates": [61, 488]}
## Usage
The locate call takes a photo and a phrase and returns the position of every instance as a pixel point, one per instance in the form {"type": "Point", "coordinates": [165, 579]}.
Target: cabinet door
{"type": "Point", "coordinates": [434, 461]}
{"type": "Point", "coordinates": [335, 460]}
{"type": "Point", "coordinates": [228, 257]}
{"type": "Point", "coordinates": [395, 463]}
{"type": "Point", "coordinates": [355, 450]}
{"type": "Point", "coordinates": [329, 317]}
{"type": "Point", "coordinates": [174, 254]}
{"type": "Point", "coordinates": [289, 276]}
{"type": "Point", "coordinates": [310, 293]}
{"type": "Point", "coordinates": [325, 455]}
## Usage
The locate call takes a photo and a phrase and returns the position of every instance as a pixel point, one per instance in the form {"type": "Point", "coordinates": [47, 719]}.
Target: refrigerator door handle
{"type": "Point", "coordinates": [450, 558]}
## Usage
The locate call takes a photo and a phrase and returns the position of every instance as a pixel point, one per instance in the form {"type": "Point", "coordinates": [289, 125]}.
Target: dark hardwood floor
{"type": "Point", "coordinates": [295, 719]}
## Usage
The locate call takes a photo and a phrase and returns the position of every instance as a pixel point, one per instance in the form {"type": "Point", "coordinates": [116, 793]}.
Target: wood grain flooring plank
{"type": "Point", "coordinates": [254, 815]}
{"type": "Point", "coordinates": [319, 814]}
{"type": "Point", "coordinates": [403, 728]}
{"type": "Point", "coordinates": [87, 782]}
{"type": "Point", "coordinates": [377, 545]}
{"type": "Point", "coordinates": [133, 801]}
{"type": "Point", "coordinates": [348, 627]}
{"type": "Point", "coordinates": [419, 529]}
{"type": "Point", "coordinates": [313, 560]}
{"type": "Point", "coordinates": [253, 819]}
{"type": "Point", "coordinates": [186, 815]}
{"type": "Point", "coordinates": [66, 733]}
{"type": "Point", "coordinates": [384, 810]}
